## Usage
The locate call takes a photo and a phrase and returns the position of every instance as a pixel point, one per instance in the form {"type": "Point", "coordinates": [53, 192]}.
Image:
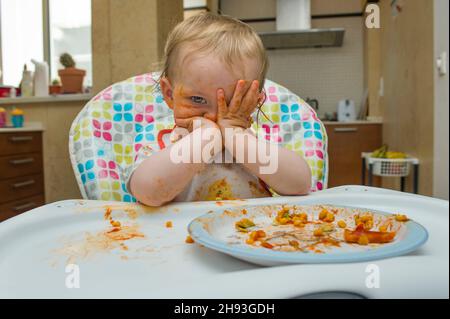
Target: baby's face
{"type": "Point", "coordinates": [194, 90]}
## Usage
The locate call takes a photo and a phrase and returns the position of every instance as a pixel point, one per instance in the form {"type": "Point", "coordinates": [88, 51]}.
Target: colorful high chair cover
{"type": "Point", "coordinates": [109, 131]}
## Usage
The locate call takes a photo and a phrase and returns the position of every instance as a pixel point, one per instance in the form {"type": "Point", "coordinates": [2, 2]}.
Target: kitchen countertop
{"type": "Point", "coordinates": [46, 99]}
{"type": "Point", "coordinates": [28, 127]}
{"type": "Point", "coordinates": [357, 122]}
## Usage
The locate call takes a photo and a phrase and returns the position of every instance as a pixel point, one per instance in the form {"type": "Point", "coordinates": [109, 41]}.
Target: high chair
{"type": "Point", "coordinates": [109, 131]}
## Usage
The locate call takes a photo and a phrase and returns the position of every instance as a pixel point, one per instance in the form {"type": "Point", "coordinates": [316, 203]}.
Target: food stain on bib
{"type": "Point", "coordinates": [220, 190]}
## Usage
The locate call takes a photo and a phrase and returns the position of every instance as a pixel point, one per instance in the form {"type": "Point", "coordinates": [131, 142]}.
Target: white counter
{"type": "Point", "coordinates": [357, 122]}
{"type": "Point", "coordinates": [28, 127]}
{"type": "Point", "coordinates": [46, 99]}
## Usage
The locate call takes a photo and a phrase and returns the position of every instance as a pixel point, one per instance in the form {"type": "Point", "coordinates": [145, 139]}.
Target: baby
{"type": "Point", "coordinates": [214, 71]}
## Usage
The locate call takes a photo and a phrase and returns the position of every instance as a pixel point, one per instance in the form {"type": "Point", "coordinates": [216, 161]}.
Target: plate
{"type": "Point", "coordinates": [216, 230]}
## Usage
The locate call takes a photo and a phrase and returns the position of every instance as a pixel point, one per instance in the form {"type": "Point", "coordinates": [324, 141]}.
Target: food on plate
{"type": "Point", "coordinates": [342, 224]}
{"type": "Point", "coordinates": [169, 224]}
{"type": "Point", "coordinates": [401, 218]}
{"type": "Point", "coordinates": [363, 237]}
{"type": "Point", "coordinates": [316, 228]}
{"type": "Point", "coordinates": [244, 224]}
{"type": "Point", "coordinates": [255, 236]}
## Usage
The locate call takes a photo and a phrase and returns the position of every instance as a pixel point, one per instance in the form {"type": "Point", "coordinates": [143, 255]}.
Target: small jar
{"type": "Point", "coordinates": [17, 117]}
{"type": "Point", "coordinates": [2, 117]}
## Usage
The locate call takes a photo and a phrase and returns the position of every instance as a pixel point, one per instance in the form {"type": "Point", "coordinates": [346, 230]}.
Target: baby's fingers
{"type": "Point", "coordinates": [239, 92]}
{"type": "Point", "coordinates": [251, 98]}
{"type": "Point", "coordinates": [222, 107]}
{"type": "Point", "coordinates": [184, 123]}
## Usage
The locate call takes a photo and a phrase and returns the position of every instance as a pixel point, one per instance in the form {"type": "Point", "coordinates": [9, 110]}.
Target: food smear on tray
{"type": "Point", "coordinates": [318, 229]}
{"type": "Point", "coordinates": [115, 236]}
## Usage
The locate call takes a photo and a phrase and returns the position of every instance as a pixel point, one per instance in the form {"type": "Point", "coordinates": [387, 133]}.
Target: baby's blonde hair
{"type": "Point", "coordinates": [228, 38]}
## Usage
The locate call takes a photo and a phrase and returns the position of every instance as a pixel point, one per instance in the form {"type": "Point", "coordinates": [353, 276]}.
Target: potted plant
{"type": "Point", "coordinates": [71, 77]}
{"type": "Point", "coordinates": [55, 88]}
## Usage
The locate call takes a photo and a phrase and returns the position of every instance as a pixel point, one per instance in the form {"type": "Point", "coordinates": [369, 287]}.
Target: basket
{"type": "Point", "coordinates": [398, 167]}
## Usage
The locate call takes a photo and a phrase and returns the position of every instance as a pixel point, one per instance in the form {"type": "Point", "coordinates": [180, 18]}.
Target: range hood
{"type": "Point", "coordinates": [308, 38]}
{"type": "Point", "coordinates": [293, 24]}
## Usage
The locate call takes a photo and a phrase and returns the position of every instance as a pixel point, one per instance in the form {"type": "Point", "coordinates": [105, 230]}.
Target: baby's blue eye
{"type": "Point", "coordinates": [198, 100]}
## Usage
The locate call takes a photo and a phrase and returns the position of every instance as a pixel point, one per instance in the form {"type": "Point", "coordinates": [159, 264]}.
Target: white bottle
{"type": "Point", "coordinates": [26, 86]}
{"type": "Point", "coordinates": [41, 80]}
{"type": "Point", "coordinates": [13, 93]}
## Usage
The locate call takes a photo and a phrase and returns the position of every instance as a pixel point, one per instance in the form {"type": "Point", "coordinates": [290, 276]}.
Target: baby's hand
{"type": "Point", "coordinates": [193, 123]}
{"type": "Point", "coordinates": [242, 105]}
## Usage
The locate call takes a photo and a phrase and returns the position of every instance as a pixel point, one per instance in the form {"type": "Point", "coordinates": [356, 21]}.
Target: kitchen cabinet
{"type": "Point", "coordinates": [21, 173]}
{"type": "Point", "coordinates": [346, 142]}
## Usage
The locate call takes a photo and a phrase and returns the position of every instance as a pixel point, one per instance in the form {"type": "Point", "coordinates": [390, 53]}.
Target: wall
{"type": "Point", "coordinates": [441, 116]}
{"type": "Point", "coordinates": [407, 68]}
{"type": "Point", "coordinates": [128, 37]}
{"type": "Point", "coordinates": [329, 74]}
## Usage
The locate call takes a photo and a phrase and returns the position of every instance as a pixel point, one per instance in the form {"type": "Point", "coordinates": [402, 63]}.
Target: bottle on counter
{"type": "Point", "coordinates": [13, 93]}
{"type": "Point", "coordinates": [2, 117]}
{"type": "Point", "coordinates": [26, 85]}
{"type": "Point", "coordinates": [40, 78]}
{"type": "Point", "coordinates": [17, 117]}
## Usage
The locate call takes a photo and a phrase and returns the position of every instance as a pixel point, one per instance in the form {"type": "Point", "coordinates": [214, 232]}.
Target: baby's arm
{"type": "Point", "coordinates": [291, 174]}
{"type": "Point", "coordinates": [159, 179]}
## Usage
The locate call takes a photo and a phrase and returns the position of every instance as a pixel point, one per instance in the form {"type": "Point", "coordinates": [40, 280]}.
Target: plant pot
{"type": "Point", "coordinates": [72, 80]}
{"type": "Point", "coordinates": [55, 89]}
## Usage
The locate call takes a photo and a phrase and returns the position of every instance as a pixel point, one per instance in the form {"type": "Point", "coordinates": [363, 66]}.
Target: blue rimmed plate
{"type": "Point", "coordinates": [216, 230]}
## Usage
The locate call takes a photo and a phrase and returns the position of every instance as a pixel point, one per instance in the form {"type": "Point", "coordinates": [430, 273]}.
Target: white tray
{"type": "Point", "coordinates": [163, 266]}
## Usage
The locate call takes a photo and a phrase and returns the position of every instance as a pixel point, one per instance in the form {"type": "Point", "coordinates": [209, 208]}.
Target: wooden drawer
{"type": "Point", "coordinates": [20, 142]}
{"type": "Point", "coordinates": [21, 187]}
{"type": "Point", "coordinates": [14, 208]}
{"type": "Point", "coordinates": [20, 165]}
{"type": "Point", "coordinates": [345, 145]}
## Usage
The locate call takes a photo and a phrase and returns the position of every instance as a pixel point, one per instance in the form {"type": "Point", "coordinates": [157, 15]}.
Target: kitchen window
{"type": "Point", "coordinates": [42, 30]}
{"type": "Point", "coordinates": [21, 37]}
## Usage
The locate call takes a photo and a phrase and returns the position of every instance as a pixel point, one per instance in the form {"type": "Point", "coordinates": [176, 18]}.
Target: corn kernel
{"type": "Point", "coordinates": [299, 223]}
{"type": "Point", "coordinates": [189, 240]}
{"type": "Point", "coordinates": [318, 232]}
{"type": "Point", "coordinates": [294, 243]}
{"type": "Point", "coordinates": [383, 229]}
{"type": "Point", "coordinates": [365, 220]}
{"type": "Point", "coordinates": [323, 214]}
{"type": "Point", "coordinates": [363, 240]}
{"type": "Point", "coordinates": [303, 217]}
{"type": "Point", "coordinates": [327, 228]}
{"type": "Point", "coordinates": [329, 218]}
{"type": "Point", "coordinates": [169, 224]}
{"type": "Point", "coordinates": [342, 224]}
{"type": "Point", "coordinates": [401, 218]}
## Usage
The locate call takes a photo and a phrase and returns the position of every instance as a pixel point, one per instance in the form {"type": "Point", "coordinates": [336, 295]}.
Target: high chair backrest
{"type": "Point", "coordinates": [118, 121]}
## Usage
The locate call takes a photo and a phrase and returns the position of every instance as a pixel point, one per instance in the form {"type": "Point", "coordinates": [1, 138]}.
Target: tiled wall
{"type": "Point", "coordinates": [328, 74]}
